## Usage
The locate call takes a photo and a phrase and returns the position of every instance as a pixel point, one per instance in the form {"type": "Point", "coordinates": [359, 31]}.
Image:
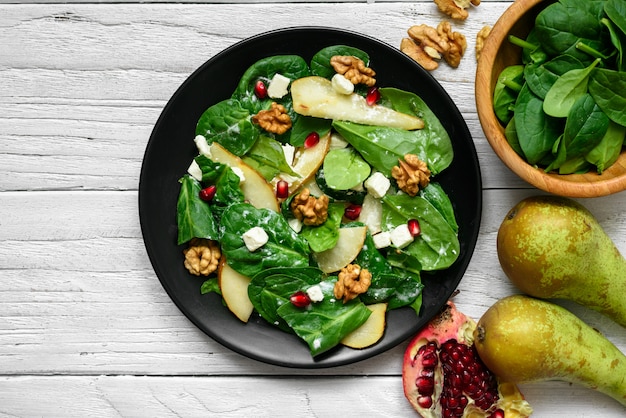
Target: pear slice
{"type": "Point", "coordinates": [315, 96]}
{"type": "Point", "coordinates": [306, 163]}
{"type": "Point", "coordinates": [234, 287]}
{"type": "Point", "coordinates": [255, 189]}
{"type": "Point", "coordinates": [371, 331]}
{"type": "Point", "coordinates": [348, 246]}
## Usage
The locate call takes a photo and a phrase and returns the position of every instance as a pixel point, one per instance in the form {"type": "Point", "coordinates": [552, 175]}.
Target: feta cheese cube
{"type": "Point", "coordinates": [195, 171]}
{"type": "Point", "coordinates": [239, 172]}
{"type": "Point", "coordinates": [255, 238]}
{"type": "Point", "coordinates": [295, 224]}
{"type": "Point", "coordinates": [337, 141]}
{"type": "Point", "coordinates": [342, 85]}
{"type": "Point", "coordinates": [315, 293]}
{"type": "Point", "coordinates": [278, 86]}
{"type": "Point", "coordinates": [401, 236]}
{"type": "Point", "coordinates": [203, 146]}
{"type": "Point", "coordinates": [382, 239]}
{"type": "Point", "coordinates": [377, 185]}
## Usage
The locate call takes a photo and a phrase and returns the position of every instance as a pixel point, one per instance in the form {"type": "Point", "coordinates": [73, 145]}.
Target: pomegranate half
{"type": "Point", "coordinates": [444, 377]}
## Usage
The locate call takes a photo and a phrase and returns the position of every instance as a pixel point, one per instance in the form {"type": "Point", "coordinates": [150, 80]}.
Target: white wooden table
{"type": "Point", "coordinates": [85, 327]}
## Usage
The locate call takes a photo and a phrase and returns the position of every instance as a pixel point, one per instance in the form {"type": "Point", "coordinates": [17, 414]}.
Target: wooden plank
{"type": "Point", "coordinates": [263, 396]}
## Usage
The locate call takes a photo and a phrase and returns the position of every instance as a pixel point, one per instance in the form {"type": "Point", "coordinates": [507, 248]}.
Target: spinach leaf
{"type": "Point", "coordinates": [210, 286]}
{"type": "Point", "coordinates": [435, 146]}
{"type": "Point", "coordinates": [563, 25]}
{"type": "Point", "coordinates": [505, 92]}
{"type": "Point", "coordinates": [271, 288]}
{"type": "Point", "coordinates": [566, 90]}
{"type": "Point", "coordinates": [268, 157]}
{"type": "Point", "coordinates": [531, 48]}
{"type": "Point", "coordinates": [324, 324]}
{"type": "Point", "coordinates": [224, 178]}
{"type": "Point", "coordinates": [536, 131]}
{"type": "Point", "coordinates": [608, 88]}
{"type": "Point", "coordinates": [510, 133]}
{"type": "Point", "coordinates": [193, 215]}
{"type": "Point", "coordinates": [325, 236]}
{"type": "Point", "coordinates": [437, 247]}
{"type": "Point", "coordinates": [284, 248]}
{"type": "Point", "coordinates": [290, 66]}
{"type": "Point", "coordinates": [585, 126]}
{"type": "Point", "coordinates": [618, 38]}
{"type": "Point", "coordinates": [436, 196]}
{"type": "Point", "coordinates": [228, 123]}
{"type": "Point", "coordinates": [609, 148]}
{"type": "Point", "coordinates": [345, 169]}
{"type": "Point", "coordinates": [303, 125]}
{"type": "Point", "coordinates": [616, 11]}
{"type": "Point", "coordinates": [320, 63]}
{"type": "Point", "coordinates": [541, 77]}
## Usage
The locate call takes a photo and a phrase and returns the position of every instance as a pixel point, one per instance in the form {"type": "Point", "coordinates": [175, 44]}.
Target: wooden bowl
{"type": "Point", "coordinates": [499, 53]}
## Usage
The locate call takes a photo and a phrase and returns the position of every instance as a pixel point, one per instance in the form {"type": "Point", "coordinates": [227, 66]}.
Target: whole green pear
{"type": "Point", "coordinates": [553, 247]}
{"type": "Point", "coordinates": [523, 339]}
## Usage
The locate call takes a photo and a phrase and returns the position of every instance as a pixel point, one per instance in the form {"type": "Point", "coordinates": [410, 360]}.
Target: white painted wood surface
{"type": "Point", "coordinates": [85, 327]}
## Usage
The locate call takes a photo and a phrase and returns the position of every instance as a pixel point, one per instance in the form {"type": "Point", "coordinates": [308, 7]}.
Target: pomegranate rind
{"type": "Point", "coordinates": [453, 324]}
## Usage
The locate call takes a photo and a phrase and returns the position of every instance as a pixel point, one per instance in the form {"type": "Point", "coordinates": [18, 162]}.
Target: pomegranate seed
{"type": "Point", "coordinates": [498, 413]}
{"type": "Point", "coordinates": [282, 189]}
{"type": "Point", "coordinates": [429, 360]}
{"type": "Point", "coordinates": [208, 193]}
{"type": "Point", "coordinates": [311, 140]}
{"type": "Point", "coordinates": [414, 227]}
{"type": "Point", "coordinates": [373, 96]}
{"type": "Point", "coordinates": [425, 402]}
{"type": "Point", "coordinates": [352, 212]}
{"type": "Point", "coordinates": [260, 90]}
{"type": "Point", "coordinates": [300, 299]}
{"type": "Point", "coordinates": [425, 386]}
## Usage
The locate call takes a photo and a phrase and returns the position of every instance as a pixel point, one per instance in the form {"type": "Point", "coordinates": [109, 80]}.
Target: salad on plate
{"type": "Point", "coordinates": [313, 201]}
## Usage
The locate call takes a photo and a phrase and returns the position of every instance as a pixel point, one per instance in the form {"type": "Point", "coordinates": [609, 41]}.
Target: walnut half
{"type": "Point", "coordinates": [456, 9]}
{"type": "Point", "coordinates": [202, 256]}
{"type": "Point", "coordinates": [351, 282]}
{"type": "Point", "coordinates": [308, 209]}
{"type": "Point", "coordinates": [354, 69]}
{"type": "Point", "coordinates": [275, 119]}
{"type": "Point", "coordinates": [432, 44]}
{"type": "Point", "coordinates": [412, 174]}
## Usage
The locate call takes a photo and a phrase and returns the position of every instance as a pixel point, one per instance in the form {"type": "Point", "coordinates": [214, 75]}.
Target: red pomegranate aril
{"type": "Point", "coordinates": [282, 189]}
{"type": "Point", "coordinates": [300, 299]}
{"type": "Point", "coordinates": [208, 193]}
{"type": "Point", "coordinates": [260, 90]}
{"type": "Point", "coordinates": [425, 401]}
{"type": "Point", "coordinates": [425, 385]}
{"type": "Point", "coordinates": [414, 227]}
{"type": "Point", "coordinates": [373, 96]}
{"type": "Point", "coordinates": [498, 413]}
{"type": "Point", "coordinates": [311, 140]}
{"type": "Point", "coordinates": [352, 212]}
{"type": "Point", "coordinates": [430, 360]}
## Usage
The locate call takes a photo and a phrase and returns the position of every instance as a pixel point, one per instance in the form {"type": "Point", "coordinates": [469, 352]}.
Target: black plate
{"type": "Point", "coordinates": [171, 149]}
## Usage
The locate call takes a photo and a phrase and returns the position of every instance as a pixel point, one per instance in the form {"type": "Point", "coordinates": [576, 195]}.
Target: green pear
{"type": "Point", "coordinates": [553, 248]}
{"type": "Point", "coordinates": [523, 339]}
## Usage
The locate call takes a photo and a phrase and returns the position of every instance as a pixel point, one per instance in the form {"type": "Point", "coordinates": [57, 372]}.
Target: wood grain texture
{"type": "Point", "coordinates": [85, 327]}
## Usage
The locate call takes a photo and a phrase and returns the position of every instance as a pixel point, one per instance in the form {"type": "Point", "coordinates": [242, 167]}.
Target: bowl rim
{"type": "Point", "coordinates": [570, 185]}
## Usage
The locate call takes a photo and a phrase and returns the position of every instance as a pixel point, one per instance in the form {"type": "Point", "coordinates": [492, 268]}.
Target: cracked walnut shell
{"type": "Point", "coordinates": [412, 174]}
{"type": "Point", "coordinates": [275, 119]}
{"type": "Point", "coordinates": [309, 209]}
{"type": "Point", "coordinates": [202, 256]}
{"type": "Point", "coordinates": [351, 282]}
{"type": "Point", "coordinates": [354, 69]}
